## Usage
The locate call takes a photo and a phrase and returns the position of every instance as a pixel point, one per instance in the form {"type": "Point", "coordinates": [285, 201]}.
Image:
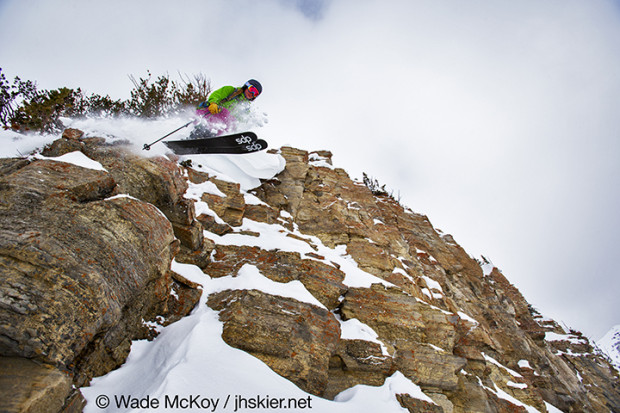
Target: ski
{"type": "Point", "coordinates": [205, 146]}
{"type": "Point", "coordinates": [226, 141]}
{"type": "Point", "coordinates": [203, 139]}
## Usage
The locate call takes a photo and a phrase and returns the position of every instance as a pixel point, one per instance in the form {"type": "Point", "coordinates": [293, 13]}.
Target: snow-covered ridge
{"type": "Point", "coordinates": [76, 158]}
{"type": "Point", "coordinates": [174, 364]}
{"type": "Point", "coordinates": [270, 237]}
{"type": "Point", "coordinates": [610, 344]}
{"type": "Point", "coordinates": [171, 368]}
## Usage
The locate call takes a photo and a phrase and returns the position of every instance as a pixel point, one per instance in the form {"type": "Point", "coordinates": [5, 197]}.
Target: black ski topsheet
{"type": "Point", "coordinates": [238, 143]}
{"type": "Point", "coordinates": [256, 146]}
{"type": "Point", "coordinates": [184, 149]}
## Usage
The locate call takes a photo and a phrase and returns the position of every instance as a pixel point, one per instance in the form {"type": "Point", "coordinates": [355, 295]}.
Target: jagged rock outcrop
{"type": "Point", "coordinates": [100, 243]}
{"type": "Point", "coordinates": [469, 340]}
{"type": "Point", "coordinates": [295, 339]}
{"type": "Point", "coordinates": [85, 262]}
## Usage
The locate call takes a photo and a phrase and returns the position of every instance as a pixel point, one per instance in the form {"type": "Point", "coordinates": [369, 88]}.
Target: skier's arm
{"type": "Point", "coordinates": [212, 103]}
{"type": "Point", "coordinates": [218, 95]}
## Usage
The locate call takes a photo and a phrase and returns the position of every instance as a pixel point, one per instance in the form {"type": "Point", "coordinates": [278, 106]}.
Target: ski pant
{"type": "Point", "coordinates": [217, 124]}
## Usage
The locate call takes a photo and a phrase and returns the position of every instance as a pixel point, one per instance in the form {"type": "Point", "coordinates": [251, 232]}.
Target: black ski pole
{"type": "Point", "coordinates": [148, 146]}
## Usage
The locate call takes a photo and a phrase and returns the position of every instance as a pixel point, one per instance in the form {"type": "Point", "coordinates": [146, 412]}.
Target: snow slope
{"type": "Point", "coordinates": [610, 344]}
{"type": "Point", "coordinates": [189, 360]}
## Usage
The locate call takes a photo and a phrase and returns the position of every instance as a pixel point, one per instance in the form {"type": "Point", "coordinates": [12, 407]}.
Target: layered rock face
{"type": "Point", "coordinates": [468, 339]}
{"type": "Point", "coordinates": [85, 259]}
{"type": "Point", "coordinates": [85, 264]}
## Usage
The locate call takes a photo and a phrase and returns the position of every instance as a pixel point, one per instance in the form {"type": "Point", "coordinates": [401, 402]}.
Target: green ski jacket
{"type": "Point", "coordinates": [222, 93]}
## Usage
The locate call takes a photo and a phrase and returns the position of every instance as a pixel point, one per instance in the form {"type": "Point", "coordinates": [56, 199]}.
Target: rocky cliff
{"type": "Point", "coordinates": [86, 257]}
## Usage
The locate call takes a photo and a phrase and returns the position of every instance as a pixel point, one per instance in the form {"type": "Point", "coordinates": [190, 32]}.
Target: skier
{"type": "Point", "coordinates": [219, 111]}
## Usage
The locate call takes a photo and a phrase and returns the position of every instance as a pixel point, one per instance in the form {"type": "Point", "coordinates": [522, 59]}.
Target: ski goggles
{"type": "Point", "coordinates": [253, 91]}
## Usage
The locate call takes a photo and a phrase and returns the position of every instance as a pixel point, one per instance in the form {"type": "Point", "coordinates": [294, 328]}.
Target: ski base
{"type": "Point", "coordinates": [238, 143]}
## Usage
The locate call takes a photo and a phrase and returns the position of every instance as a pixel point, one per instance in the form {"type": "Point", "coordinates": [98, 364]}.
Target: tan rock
{"type": "Point", "coordinates": [295, 339]}
{"type": "Point", "coordinates": [261, 213]}
{"type": "Point", "coordinates": [322, 280]}
{"type": "Point", "coordinates": [398, 317]}
{"type": "Point", "coordinates": [460, 335]}
{"type": "Point", "coordinates": [444, 309]}
{"type": "Point", "coordinates": [72, 133]}
{"type": "Point", "coordinates": [81, 270]}
{"type": "Point", "coordinates": [357, 362]}
{"type": "Point", "coordinates": [30, 387]}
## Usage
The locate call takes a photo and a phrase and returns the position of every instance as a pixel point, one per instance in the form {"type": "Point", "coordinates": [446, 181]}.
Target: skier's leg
{"type": "Point", "coordinates": [201, 131]}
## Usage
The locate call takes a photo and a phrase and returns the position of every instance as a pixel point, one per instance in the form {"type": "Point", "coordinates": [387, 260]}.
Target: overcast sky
{"type": "Point", "coordinates": [499, 120]}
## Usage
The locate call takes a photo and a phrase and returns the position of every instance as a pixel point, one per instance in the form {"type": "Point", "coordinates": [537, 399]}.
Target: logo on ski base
{"type": "Point", "coordinates": [254, 147]}
{"type": "Point", "coordinates": [244, 139]}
